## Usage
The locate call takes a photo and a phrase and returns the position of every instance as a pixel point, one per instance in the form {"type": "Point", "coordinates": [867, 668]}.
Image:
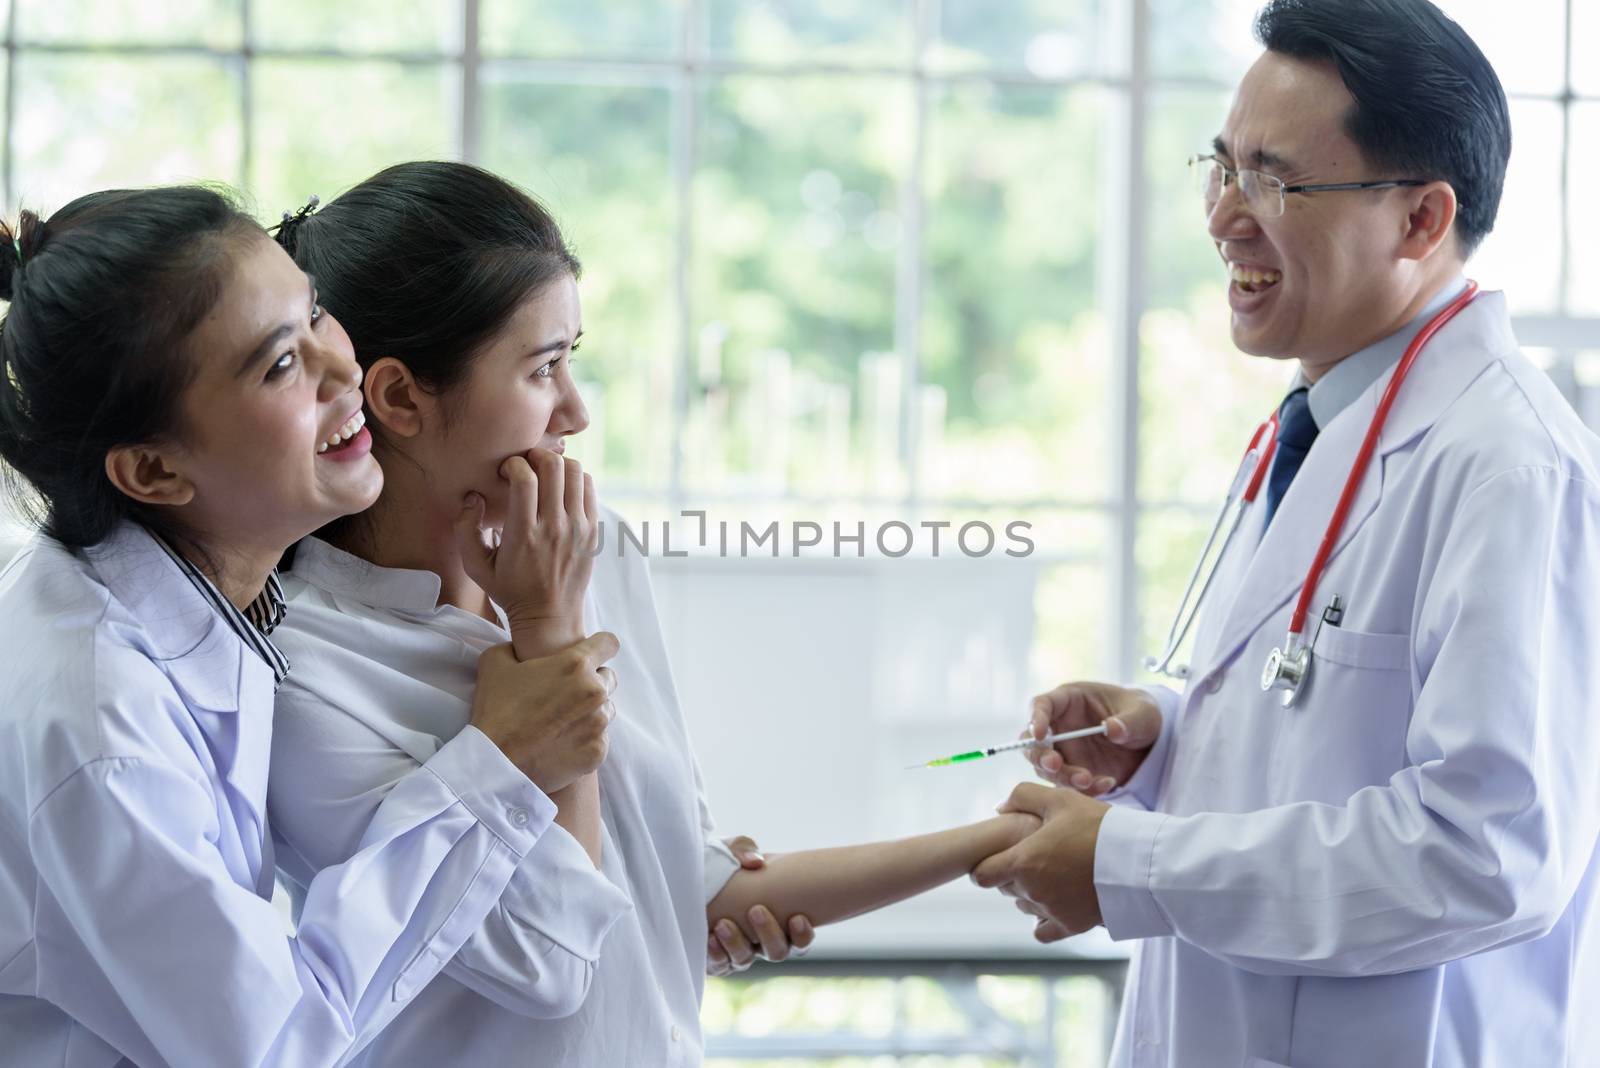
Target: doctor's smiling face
{"type": "Point", "coordinates": [1337, 270]}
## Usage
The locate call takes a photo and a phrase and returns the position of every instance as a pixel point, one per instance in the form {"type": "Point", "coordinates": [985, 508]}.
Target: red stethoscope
{"type": "Point", "coordinates": [1288, 665]}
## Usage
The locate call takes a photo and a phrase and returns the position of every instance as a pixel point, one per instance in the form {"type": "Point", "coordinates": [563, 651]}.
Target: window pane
{"type": "Point", "coordinates": [297, 153]}
{"type": "Point", "coordinates": [1203, 38]}
{"type": "Point", "coordinates": [1586, 43]}
{"type": "Point", "coordinates": [1045, 38]}
{"type": "Point", "coordinates": [358, 25]}
{"type": "Point", "coordinates": [1015, 354]}
{"type": "Point", "coordinates": [940, 1015]}
{"type": "Point", "coordinates": [581, 27]}
{"type": "Point", "coordinates": [796, 227]}
{"type": "Point", "coordinates": [1169, 540]}
{"type": "Point", "coordinates": [1215, 38]}
{"type": "Point", "coordinates": [215, 23]}
{"type": "Point", "coordinates": [1200, 397]}
{"type": "Point", "coordinates": [1522, 255]}
{"type": "Point", "coordinates": [1584, 296]}
{"type": "Point", "coordinates": [1525, 41]}
{"type": "Point", "coordinates": [613, 197]}
{"type": "Point", "coordinates": [809, 30]}
{"type": "Point", "coordinates": [85, 123]}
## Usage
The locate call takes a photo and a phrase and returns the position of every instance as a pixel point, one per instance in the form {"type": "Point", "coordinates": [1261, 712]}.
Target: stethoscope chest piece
{"type": "Point", "coordinates": [1288, 666]}
{"type": "Point", "coordinates": [1286, 671]}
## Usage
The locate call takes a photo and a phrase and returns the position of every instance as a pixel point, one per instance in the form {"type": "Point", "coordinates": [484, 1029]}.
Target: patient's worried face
{"type": "Point", "coordinates": [518, 395]}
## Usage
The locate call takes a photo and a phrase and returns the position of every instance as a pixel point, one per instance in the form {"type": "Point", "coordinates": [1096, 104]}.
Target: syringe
{"type": "Point", "coordinates": [1026, 743]}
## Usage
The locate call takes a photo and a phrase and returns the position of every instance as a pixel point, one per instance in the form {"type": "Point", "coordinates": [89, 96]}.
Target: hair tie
{"type": "Point", "coordinates": [292, 220]}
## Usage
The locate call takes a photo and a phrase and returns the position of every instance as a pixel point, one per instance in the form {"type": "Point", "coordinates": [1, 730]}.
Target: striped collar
{"type": "Point", "coordinates": [258, 620]}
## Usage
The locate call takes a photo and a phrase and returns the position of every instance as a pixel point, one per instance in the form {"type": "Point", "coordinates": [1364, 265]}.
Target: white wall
{"type": "Point", "coordinates": [810, 684]}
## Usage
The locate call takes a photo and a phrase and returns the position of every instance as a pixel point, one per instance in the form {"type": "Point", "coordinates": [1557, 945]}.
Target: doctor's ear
{"type": "Point", "coordinates": [1430, 220]}
{"type": "Point", "coordinates": [148, 474]}
{"type": "Point", "coordinates": [396, 399]}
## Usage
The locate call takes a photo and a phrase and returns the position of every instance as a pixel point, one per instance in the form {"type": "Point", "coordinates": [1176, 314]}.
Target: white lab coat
{"type": "Point", "coordinates": [136, 866]}
{"type": "Point", "coordinates": [1399, 869]}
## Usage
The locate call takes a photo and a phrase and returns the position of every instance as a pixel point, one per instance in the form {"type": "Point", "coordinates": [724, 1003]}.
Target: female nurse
{"type": "Point", "coordinates": [176, 409]}
{"type": "Point", "coordinates": [461, 298]}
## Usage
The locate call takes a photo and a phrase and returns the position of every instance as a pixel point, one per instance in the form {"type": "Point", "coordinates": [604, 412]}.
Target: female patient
{"type": "Point", "coordinates": [461, 299]}
{"type": "Point", "coordinates": [168, 387]}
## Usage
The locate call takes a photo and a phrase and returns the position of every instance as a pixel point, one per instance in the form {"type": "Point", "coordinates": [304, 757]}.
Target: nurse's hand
{"type": "Point", "coordinates": [538, 568]}
{"type": "Point", "coordinates": [550, 715]}
{"type": "Point", "coordinates": [1050, 873]}
{"type": "Point", "coordinates": [1100, 763]}
{"type": "Point", "coordinates": [729, 951]}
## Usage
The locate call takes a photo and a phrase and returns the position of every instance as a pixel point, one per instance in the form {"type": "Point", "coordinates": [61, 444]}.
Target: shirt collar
{"type": "Point", "coordinates": [253, 625]}
{"type": "Point", "coordinates": [345, 575]}
{"type": "Point", "coordinates": [1349, 378]}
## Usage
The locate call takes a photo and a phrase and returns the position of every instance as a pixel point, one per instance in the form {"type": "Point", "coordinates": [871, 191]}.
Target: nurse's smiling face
{"type": "Point", "coordinates": [274, 381]}
{"type": "Point", "coordinates": [1336, 266]}
{"type": "Point", "coordinates": [518, 394]}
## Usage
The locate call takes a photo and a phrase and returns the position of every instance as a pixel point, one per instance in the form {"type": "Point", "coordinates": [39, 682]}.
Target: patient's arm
{"type": "Point", "coordinates": [578, 812]}
{"type": "Point", "coordinates": [829, 885]}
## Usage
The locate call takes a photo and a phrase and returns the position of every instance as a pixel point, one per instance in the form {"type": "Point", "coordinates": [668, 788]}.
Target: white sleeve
{"type": "Point", "coordinates": [536, 951]}
{"type": "Point", "coordinates": [146, 939]}
{"type": "Point", "coordinates": [720, 863]}
{"type": "Point", "coordinates": [1481, 841]}
{"type": "Point", "coordinates": [1143, 787]}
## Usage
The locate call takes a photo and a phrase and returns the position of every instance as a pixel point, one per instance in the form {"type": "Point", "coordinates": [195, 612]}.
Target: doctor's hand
{"type": "Point", "coordinates": [1099, 763]}
{"type": "Point", "coordinates": [537, 566]}
{"type": "Point", "coordinates": [729, 951]}
{"type": "Point", "coordinates": [1050, 873]}
{"type": "Point", "coordinates": [549, 716]}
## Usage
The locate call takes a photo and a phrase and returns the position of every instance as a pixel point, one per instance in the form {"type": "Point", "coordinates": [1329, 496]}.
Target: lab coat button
{"type": "Point", "coordinates": [517, 816]}
{"type": "Point", "coordinates": [1214, 683]}
{"type": "Point", "coordinates": [674, 1032]}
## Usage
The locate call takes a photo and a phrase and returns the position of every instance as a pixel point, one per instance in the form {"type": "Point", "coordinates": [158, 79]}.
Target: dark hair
{"type": "Point", "coordinates": [1427, 103]}
{"type": "Point", "coordinates": [103, 296]}
{"type": "Point", "coordinates": [426, 262]}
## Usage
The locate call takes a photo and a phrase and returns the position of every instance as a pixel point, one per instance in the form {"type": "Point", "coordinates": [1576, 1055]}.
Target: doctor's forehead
{"type": "Point", "coordinates": [1288, 114]}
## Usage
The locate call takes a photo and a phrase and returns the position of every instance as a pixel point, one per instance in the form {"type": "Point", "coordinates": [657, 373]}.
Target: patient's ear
{"type": "Point", "coordinates": [149, 474]}
{"type": "Point", "coordinates": [396, 399]}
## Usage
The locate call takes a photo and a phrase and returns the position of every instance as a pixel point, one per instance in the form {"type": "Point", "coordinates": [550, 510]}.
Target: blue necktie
{"type": "Point", "coordinates": [1296, 431]}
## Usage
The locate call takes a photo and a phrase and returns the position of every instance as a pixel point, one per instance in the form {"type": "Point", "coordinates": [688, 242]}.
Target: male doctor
{"type": "Point", "coordinates": [1399, 867]}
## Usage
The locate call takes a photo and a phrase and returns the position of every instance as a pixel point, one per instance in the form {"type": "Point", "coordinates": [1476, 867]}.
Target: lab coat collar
{"type": "Point", "coordinates": [174, 617]}
{"type": "Point", "coordinates": [226, 688]}
{"type": "Point", "coordinates": [1457, 355]}
{"type": "Point", "coordinates": [344, 575]}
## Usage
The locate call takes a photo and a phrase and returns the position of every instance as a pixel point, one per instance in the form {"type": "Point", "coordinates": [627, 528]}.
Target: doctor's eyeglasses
{"type": "Point", "coordinates": [1263, 194]}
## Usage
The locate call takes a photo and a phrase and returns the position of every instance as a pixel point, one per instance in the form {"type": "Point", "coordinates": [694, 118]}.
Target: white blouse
{"type": "Point", "coordinates": [576, 967]}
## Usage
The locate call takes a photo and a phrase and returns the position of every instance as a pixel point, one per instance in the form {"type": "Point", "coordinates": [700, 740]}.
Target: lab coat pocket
{"type": "Point", "coordinates": [1262, 1062]}
{"type": "Point", "coordinates": [1358, 649]}
{"type": "Point", "coordinates": [1348, 729]}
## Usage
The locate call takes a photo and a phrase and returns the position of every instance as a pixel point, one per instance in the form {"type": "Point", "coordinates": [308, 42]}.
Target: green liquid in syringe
{"type": "Point", "coordinates": [959, 758]}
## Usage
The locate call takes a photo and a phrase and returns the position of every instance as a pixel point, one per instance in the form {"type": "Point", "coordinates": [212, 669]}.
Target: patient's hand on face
{"type": "Point", "coordinates": [537, 569]}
